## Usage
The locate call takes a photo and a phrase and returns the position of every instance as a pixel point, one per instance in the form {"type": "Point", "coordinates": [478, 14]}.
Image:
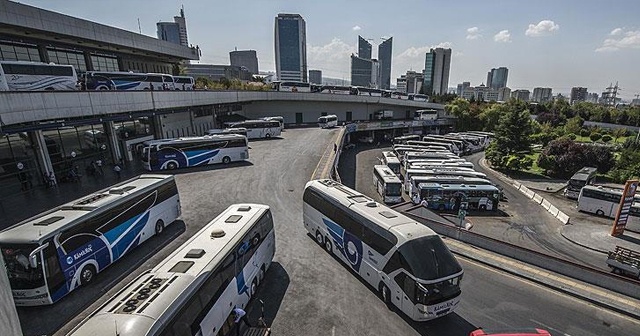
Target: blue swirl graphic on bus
{"type": "Point", "coordinates": [348, 244]}
{"type": "Point", "coordinates": [185, 158]}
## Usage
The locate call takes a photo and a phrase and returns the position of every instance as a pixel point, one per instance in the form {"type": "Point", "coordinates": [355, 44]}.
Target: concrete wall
{"type": "Point", "coordinates": [9, 322]}
{"type": "Point", "coordinates": [28, 107]}
{"type": "Point", "coordinates": [52, 23]}
{"type": "Point", "coordinates": [176, 125]}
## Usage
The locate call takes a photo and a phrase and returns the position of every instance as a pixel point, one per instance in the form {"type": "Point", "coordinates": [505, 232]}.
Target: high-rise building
{"type": "Point", "coordinates": [542, 95]}
{"type": "Point", "coordinates": [384, 57]}
{"type": "Point", "coordinates": [461, 87]}
{"type": "Point", "coordinates": [578, 94]}
{"type": "Point", "coordinates": [245, 58]}
{"type": "Point", "coordinates": [291, 47]}
{"type": "Point", "coordinates": [521, 95]}
{"type": "Point", "coordinates": [436, 71]}
{"type": "Point", "coordinates": [497, 78]}
{"type": "Point", "coordinates": [504, 93]}
{"type": "Point", "coordinates": [411, 82]}
{"type": "Point", "coordinates": [364, 72]}
{"type": "Point", "coordinates": [364, 48]}
{"type": "Point", "coordinates": [315, 76]}
{"type": "Point", "coordinates": [174, 32]}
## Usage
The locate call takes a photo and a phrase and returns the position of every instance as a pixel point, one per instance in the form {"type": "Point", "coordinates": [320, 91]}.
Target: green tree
{"type": "Point", "coordinates": [606, 138]}
{"type": "Point", "coordinates": [491, 115]}
{"type": "Point", "coordinates": [595, 137]}
{"type": "Point", "coordinates": [512, 136]}
{"type": "Point", "coordinates": [466, 119]}
{"type": "Point", "coordinates": [619, 132]}
{"type": "Point", "coordinates": [573, 125]}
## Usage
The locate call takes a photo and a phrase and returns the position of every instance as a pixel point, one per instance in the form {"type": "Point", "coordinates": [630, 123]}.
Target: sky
{"type": "Point", "coordinates": [544, 43]}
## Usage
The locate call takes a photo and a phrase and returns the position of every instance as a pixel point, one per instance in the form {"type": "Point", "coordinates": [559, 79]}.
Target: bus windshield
{"type": "Point", "coordinates": [428, 258]}
{"type": "Point", "coordinates": [21, 274]}
{"type": "Point", "coordinates": [393, 189]}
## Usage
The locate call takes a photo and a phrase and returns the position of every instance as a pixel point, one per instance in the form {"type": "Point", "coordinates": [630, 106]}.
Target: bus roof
{"type": "Point", "coordinates": [584, 173]}
{"type": "Point", "coordinates": [465, 187]}
{"type": "Point", "coordinates": [451, 179]}
{"type": "Point", "coordinates": [179, 274]}
{"type": "Point", "coordinates": [45, 225]}
{"type": "Point", "coordinates": [386, 218]}
{"type": "Point", "coordinates": [211, 137]}
{"type": "Point", "coordinates": [387, 175]}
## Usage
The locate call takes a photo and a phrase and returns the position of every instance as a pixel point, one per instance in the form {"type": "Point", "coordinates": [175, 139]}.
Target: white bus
{"type": "Point", "coordinates": [35, 76]}
{"type": "Point", "coordinates": [457, 144]}
{"type": "Point", "coordinates": [448, 196]}
{"type": "Point", "coordinates": [429, 155]}
{"type": "Point", "coordinates": [388, 185]}
{"type": "Point", "coordinates": [403, 149]}
{"type": "Point", "coordinates": [405, 261]}
{"type": "Point", "coordinates": [391, 160]}
{"type": "Point", "coordinates": [428, 114]}
{"type": "Point", "coordinates": [276, 118]}
{"type": "Point", "coordinates": [328, 121]}
{"type": "Point", "coordinates": [194, 290]}
{"type": "Point", "coordinates": [584, 176]}
{"type": "Point", "coordinates": [599, 200]}
{"type": "Point", "coordinates": [418, 97]}
{"type": "Point", "coordinates": [183, 83]}
{"type": "Point", "coordinates": [443, 179]}
{"type": "Point", "coordinates": [291, 86]}
{"type": "Point", "coordinates": [449, 147]}
{"type": "Point", "coordinates": [465, 172]}
{"type": "Point", "coordinates": [194, 151]}
{"type": "Point", "coordinates": [240, 130]}
{"type": "Point", "coordinates": [444, 163]}
{"type": "Point", "coordinates": [257, 129]}
{"type": "Point", "coordinates": [51, 254]}
{"type": "Point", "coordinates": [97, 80]}
{"type": "Point", "coordinates": [405, 138]}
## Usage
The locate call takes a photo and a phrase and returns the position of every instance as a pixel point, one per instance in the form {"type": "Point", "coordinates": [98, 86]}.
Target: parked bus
{"type": "Point", "coordinates": [429, 155]}
{"type": "Point", "coordinates": [238, 130]}
{"type": "Point", "coordinates": [405, 261]}
{"type": "Point", "coordinates": [583, 177]}
{"type": "Point", "coordinates": [447, 196]}
{"type": "Point", "coordinates": [418, 97]}
{"type": "Point", "coordinates": [403, 149]}
{"type": "Point", "coordinates": [599, 200]}
{"type": "Point", "coordinates": [96, 80]}
{"type": "Point", "coordinates": [404, 138]}
{"type": "Point", "coordinates": [36, 76]}
{"type": "Point", "coordinates": [257, 129]}
{"type": "Point", "coordinates": [387, 184]}
{"type": "Point", "coordinates": [195, 289]}
{"type": "Point", "coordinates": [465, 172]}
{"type": "Point", "coordinates": [183, 83]}
{"type": "Point", "coordinates": [391, 160]}
{"type": "Point", "coordinates": [427, 114]}
{"type": "Point", "coordinates": [278, 119]}
{"type": "Point", "coordinates": [458, 144]}
{"type": "Point", "coordinates": [328, 121]}
{"type": "Point", "coordinates": [177, 153]}
{"type": "Point", "coordinates": [291, 86]}
{"type": "Point", "coordinates": [365, 91]}
{"type": "Point", "coordinates": [449, 147]}
{"type": "Point", "coordinates": [337, 89]}
{"type": "Point", "coordinates": [51, 254]}
{"type": "Point", "coordinates": [443, 179]}
{"type": "Point", "coordinates": [444, 163]}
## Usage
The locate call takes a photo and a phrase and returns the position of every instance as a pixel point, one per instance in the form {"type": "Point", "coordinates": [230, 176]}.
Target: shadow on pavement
{"type": "Point", "coordinates": [218, 166]}
{"type": "Point", "coordinates": [47, 320]}
{"type": "Point", "coordinates": [271, 292]}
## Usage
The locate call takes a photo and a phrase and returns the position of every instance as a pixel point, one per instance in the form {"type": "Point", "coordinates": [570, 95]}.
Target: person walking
{"type": "Point", "coordinates": [240, 315]}
{"type": "Point", "coordinates": [117, 170]}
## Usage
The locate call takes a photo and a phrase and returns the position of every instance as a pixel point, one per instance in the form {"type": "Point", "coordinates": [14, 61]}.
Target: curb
{"type": "Point", "coordinates": [581, 244]}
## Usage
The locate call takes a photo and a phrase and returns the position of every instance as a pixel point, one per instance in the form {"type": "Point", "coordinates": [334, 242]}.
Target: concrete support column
{"type": "Point", "coordinates": [112, 138]}
{"type": "Point", "coordinates": [10, 324]}
{"type": "Point", "coordinates": [42, 151]}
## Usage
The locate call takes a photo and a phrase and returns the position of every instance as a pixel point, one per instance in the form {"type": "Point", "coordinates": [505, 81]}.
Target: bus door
{"type": "Point", "coordinates": [405, 292]}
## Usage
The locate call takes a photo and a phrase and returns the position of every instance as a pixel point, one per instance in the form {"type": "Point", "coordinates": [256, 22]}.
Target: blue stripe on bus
{"type": "Point", "coordinates": [342, 238]}
{"type": "Point", "coordinates": [195, 158]}
{"type": "Point", "coordinates": [131, 238]}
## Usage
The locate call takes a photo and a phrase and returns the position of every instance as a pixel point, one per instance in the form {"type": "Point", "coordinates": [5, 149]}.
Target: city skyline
{"type": "Point", "coordinates": [559, 45]}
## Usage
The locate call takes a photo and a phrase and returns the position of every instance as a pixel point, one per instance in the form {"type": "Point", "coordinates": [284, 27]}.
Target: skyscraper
{"type": "Point", "coordinates": [174, 32]}
{"type": "Point", "coordinates": [578, 94]}
{"type": "Point", "coordinates": [364, 48]}
{"type": "Point", "coordinates": [291, 47]}
{"type": "Point", "coordinates": [384, 57]}
{"type": "Point", "coordinates": [497, 78]}
{"type": "Point", "coordinates": [245, 58]}
{"type": "Point", "coordinates": [437, 65]}
{"type": "Point", "coordinates": [315, 76]}
{"type": "Point", "coordinates": [362, 72]}
{"type": "Point", "coordinates": [542, 95]}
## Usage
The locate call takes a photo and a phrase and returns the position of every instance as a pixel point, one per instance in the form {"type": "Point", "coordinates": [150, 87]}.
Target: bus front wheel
{"type": "Point", "coordinates": [159, 226]}
{"type": "Point", "coordinates": [226, 160]}
{"type": "Point", "coordinates": [172, 166]}
{"type": "Point", "coordinates": [600, 213]}
{"type": "Point", "coordinates": [328, 246]}
{"type": "Point", "coordinates": [267, 135]}
{"type": "Point", "coordinates": [87, 274]}
{"type": "Point", "coordinates": [254, 288]}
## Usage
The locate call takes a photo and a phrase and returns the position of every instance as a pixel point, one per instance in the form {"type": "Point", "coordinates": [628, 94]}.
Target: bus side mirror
{"type": "Point", "coordinates": [33, 256]}
{"type": "Point", "coordinates": [33, 261]}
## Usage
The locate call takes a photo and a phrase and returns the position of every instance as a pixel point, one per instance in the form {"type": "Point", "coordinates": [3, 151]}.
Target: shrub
{"type": "Point", "coordinates": [585, 132]}
{"type": "Point", "coordinates": [595, 137]}
{"type": "Point", "coordinates": [572, 136]}
{"type": "Point", "coordinates": [606, 138]}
